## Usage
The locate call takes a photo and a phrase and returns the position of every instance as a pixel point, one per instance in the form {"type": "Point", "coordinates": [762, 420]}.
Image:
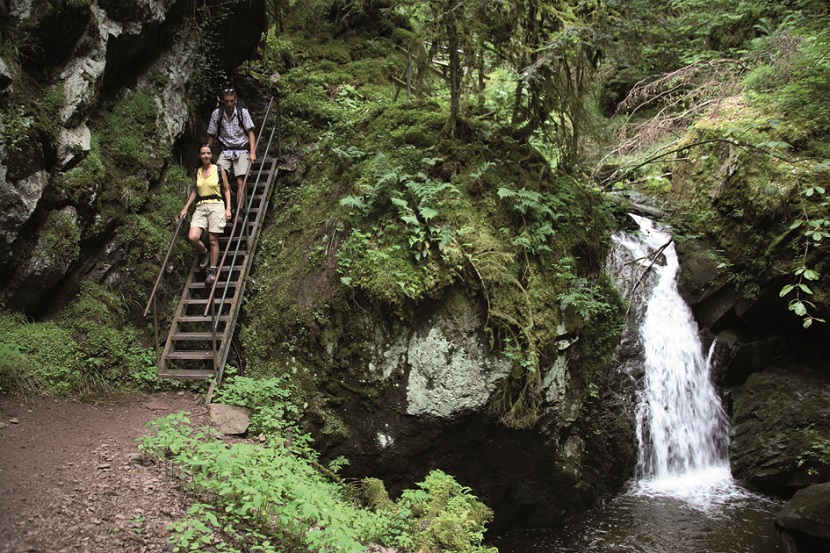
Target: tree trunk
{"type": "Point", "coordinates": [455, 70]}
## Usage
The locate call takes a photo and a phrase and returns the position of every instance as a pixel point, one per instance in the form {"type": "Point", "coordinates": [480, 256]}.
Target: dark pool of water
{"type": "Point", "coordinates": [647, 524]}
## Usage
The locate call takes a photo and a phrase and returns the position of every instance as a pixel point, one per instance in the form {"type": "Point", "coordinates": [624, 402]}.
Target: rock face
{"type": "Point", "coordinates": [780, 419]}
{"type": "Point", "coordinates": [773, 373]}
{"type": "Point", "coordinates": [804, 522]}
{"type": "Point", "coordinates": [424, 403]}
{"type": "Point", "coordinates": [81, 59]}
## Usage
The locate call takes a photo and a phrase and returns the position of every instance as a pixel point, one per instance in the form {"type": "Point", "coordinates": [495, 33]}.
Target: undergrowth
{"type": "Point", "coordinates": [89, 349]}
{"type": "Point", "coordinates": [268, 498]}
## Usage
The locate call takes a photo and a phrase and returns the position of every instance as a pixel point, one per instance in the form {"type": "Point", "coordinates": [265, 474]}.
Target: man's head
{"type": "Point", "coordinates": [229, 100]}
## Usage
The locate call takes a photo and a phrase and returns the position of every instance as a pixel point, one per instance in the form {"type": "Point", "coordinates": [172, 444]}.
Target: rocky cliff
{"type": "Point", "coordinates": [98, 96]}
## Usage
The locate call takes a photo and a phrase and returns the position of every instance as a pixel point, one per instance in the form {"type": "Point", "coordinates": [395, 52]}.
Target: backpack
{"type": "Point", "coordinates": [240, 105]}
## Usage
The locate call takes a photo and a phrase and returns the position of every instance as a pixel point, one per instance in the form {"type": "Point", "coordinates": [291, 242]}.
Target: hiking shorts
{"type": "Point", "coordinates": [210, 216]}
{"type": "Point", "coordinates": [240, 163]}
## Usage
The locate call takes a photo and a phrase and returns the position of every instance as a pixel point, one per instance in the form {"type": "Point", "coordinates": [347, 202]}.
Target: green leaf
{"type": "Point", "coordinates": [806, 289]}
{"type": "Point", "coordinates": [786, 290]}
{"type": "Point", "coordinates": [427, 212]}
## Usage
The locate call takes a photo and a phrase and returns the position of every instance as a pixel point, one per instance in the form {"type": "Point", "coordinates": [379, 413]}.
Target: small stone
{"type": "Point", "coordinates": [230, 419]}
{"type": "Point", "coordinates": [14, 421]}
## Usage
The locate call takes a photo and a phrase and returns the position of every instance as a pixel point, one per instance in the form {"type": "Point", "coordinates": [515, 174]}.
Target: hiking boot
{"type": "Point", "coordinates": [211, 276]}
{"type": "Point", "coordinates": [204, 259]}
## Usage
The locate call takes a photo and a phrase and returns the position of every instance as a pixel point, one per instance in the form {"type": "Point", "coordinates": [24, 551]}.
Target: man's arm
{"type": "Point", "coordinates": [252, 141]}
{"type": "Point", "coordinates": [211, 130]}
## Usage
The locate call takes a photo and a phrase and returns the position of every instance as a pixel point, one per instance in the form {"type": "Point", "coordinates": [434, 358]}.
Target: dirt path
{"type": "Point", "coordinates": [72, 479]}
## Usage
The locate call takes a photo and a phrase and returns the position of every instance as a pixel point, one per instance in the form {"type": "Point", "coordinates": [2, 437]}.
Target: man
{"type": "Point", "coordinates": [232, 128]}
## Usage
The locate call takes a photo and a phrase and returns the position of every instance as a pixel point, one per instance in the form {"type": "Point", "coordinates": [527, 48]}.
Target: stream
{"type": "Point", "coordinates": [682, 498]}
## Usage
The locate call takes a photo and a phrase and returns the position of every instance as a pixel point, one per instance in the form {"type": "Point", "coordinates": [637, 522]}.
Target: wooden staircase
{"type": "Point", "coordinates": [198, 343]}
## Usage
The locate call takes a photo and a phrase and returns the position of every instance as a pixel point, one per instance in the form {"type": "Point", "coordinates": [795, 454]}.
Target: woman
{"type": "Point", "coordinates": [211, 211]}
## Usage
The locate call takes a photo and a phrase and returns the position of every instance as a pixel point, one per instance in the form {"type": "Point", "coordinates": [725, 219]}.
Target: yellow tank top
{"type": "Point", "coordinates": [209, 185]}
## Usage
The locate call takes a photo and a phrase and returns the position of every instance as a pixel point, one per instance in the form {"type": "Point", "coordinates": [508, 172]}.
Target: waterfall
{"type": "Point", "coordinates": [682, 429]}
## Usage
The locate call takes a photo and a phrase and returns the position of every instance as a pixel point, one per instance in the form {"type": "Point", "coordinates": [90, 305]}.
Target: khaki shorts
{"type": "Point", "coordinates": [240, 164]}
{"type": "Point", "coordinates": [210, 216]}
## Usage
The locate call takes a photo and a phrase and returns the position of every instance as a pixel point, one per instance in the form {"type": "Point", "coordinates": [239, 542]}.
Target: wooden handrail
{"type": "Point", "coordinates": [163, 265]}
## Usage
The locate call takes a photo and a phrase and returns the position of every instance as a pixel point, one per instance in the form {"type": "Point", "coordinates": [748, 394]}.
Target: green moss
{"type": "Point", "coordinates": [129, 132]}
{"type": "Point", "coordinates": [392, 216]}
{"type": "Point", "coordinates": [36, 356]}
{"type": "Point", "coordinates": [59, 238]}
{"type": "Point", "coordinates": [82, 184]}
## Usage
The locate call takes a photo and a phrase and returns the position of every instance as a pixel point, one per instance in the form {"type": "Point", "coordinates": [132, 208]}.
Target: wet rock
{"type": "Point", "coordinates": [230, 419]}
{"type": "Point", "coordinates": [804, 521]}
{"type": "Point", "coordinates": [781, 417]}
{"type": "Point", "coordinates": [738, 358]}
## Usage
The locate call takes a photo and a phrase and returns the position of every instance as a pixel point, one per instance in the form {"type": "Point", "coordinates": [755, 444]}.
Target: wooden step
{"type": "Point", "coordinates": [199, 319]}
{"type": "Point", "coordinates": [186, 374]}
{"type": "Point", "coordinates": [195, 336]}
{"type": "Point", "coordinates": [201, 285]}
{"type": "Point", "coordinates": [192, 355]}
{"type": "Point", "coordinates": [202, 301]}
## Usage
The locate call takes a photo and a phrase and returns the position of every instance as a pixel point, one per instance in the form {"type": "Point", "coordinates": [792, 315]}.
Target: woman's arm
{"type": "Point", "coordinates": [189, 201]}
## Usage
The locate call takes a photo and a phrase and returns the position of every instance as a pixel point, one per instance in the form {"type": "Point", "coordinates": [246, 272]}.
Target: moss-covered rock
{"type": "Point", "coordinates": [804, 521]}
{"type": "Point", "coordinates": [780, 431]}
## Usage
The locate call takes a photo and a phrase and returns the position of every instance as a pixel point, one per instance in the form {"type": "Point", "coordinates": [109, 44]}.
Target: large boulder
{"type": "Point", "coordinates": [804, 521]}
{"type": "Point", "coordinates": [424, 401]}
{"type": "Point", "coordinates": [781, 428]}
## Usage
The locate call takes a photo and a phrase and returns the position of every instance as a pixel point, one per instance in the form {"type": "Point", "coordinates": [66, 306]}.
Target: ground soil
{"type": "Point", "coordinates": [73, 480]}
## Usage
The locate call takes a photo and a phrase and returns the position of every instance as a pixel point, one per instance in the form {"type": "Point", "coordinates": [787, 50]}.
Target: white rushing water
{"type": "Point", "coordinates": [683, 498]}
{"type": "Point", "coordinates": [682, 429]}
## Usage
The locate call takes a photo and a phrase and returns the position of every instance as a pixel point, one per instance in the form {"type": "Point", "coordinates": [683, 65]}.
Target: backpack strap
{"type": "Point", "coordinates": [241, 125]}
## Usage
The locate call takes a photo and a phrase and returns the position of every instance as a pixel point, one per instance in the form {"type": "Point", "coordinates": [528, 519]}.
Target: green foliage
{"type": "Point", "coordinates": [792, 77]}
{"type": "Point", "coordinates": [585, 299]}
{"type": "Point", "coordinates": [88, 349]}
{"type": "Point", "coordinates": [417, 199]}
{"type": "Point", "coordinates": [59, 238]}
{"type": "Point", "coordinates": [129, 132]}
{"type": "Point", "coordinates": [376, 258]}
{"type": "Point", "coordinates": [15, 128]}
{"type": "Point", "coordinates": [83, 184]}
{"type": "Point", "coordinates": [271, 498]}
{"type": "Point", "coordinates": [36, 356]}
{"type": "Point", "coordinates": [817, 454]}
{"type": "Point", "coordinates": [444, 516]}
{"type": "Point", "coordinates": [406, 214]}
{"type": "Point", "coordinates": [539, 213]}
{"type": "Point", "coordinates": [815, 228]}
{"type": "Point", "coordinates": [109, 353]}
{"type": "Point", "coordinates": [273, 402]}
